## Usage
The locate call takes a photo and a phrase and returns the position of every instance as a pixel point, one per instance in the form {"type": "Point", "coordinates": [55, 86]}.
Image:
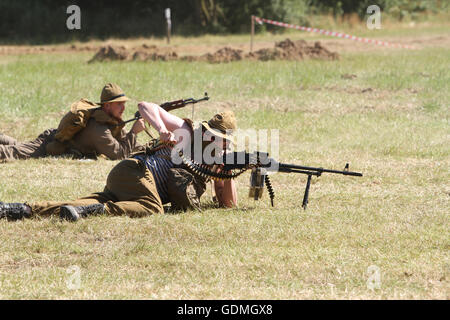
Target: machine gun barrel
{"type": "Point", "coordinates": [315, 171]}
{"type": "Point", "coordinates": [312, 171]}
{"type": "Point", "coordinates": [258, 160]}
{"type": "Point", "coordinates": [239, 160]}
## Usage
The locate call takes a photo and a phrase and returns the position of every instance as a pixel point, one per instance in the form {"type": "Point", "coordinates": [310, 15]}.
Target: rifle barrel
{"type": "Point", "coordinates": [283, 167]}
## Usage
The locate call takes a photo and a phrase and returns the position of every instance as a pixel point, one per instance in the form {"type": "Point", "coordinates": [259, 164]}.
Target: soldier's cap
{"type": "Point", "coordinates": [222, 125]}
{"type": "Point", "coordinates": [112, 93]}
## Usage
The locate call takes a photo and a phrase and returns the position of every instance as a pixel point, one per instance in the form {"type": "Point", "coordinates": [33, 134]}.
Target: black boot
{"type": "Point", "coordinates": [14, 211]}
{"type": "Point", "coordinates": [72, 213]}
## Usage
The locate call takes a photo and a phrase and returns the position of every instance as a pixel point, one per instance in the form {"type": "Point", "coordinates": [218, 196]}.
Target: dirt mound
{"type": "Point", "coordinates": [224, 55]}
{"type": "Point", "coordinates": [154, 56]}
{"type": "Point", "coordinates": [317, 51]}
{"type": "Point", "coordinates": [284, 50]}
{"type": "Point", "coordinates": [289, 50]}
{"type": "Point", "coordinates": [110, 53]}
{"type": "Point", "coordinates": [153, 53]}
{"type": "Point", "coordinates": [267, 54]}
{"type": "Point", "coordinates": [142, 53]}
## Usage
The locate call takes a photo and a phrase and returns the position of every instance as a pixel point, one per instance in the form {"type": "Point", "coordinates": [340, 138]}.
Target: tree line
{"type": "Point", "coordinates": [44, 21]}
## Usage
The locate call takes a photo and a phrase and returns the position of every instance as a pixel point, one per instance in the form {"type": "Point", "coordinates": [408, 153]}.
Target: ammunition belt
{"type": "Point", "coordinates": [205, 172]}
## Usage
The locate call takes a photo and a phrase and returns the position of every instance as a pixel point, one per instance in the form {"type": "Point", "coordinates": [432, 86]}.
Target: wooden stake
{"type": "Point", "coordinates": [168, 32]}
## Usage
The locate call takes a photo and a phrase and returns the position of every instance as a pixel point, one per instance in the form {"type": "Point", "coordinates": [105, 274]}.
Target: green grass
{"type": "Point", "coordinates": [391, 122]}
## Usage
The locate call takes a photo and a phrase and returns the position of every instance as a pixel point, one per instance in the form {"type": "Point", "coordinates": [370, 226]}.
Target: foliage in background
{"type": "Point", "coordinates": [45, 21]}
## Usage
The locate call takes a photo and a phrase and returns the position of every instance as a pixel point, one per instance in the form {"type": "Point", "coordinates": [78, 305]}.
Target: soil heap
{"type": "Point", "coordinates": [289, 50]}
{"type": "Point", "coordinates": [284, 50]}
{"type": "Point", "coordinates": [142, 53]}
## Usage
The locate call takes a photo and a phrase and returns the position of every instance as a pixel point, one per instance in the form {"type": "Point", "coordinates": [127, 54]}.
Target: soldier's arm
{"type": "Point", "coordinates": [159, 118]}
{"type": "Point", "coordinates": [226, 193]}
{"type": "Point", "coordinates": [115, 149]}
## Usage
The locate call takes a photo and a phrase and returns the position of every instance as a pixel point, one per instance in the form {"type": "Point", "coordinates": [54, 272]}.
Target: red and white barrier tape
{"type": "Point", "coordinates": [332, 33]}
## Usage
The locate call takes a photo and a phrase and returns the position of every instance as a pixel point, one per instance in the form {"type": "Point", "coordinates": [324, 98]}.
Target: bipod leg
{"type": "Point", "coordinates": [306, 195]}
{"type": "Point", "coordinates": [269, 189]}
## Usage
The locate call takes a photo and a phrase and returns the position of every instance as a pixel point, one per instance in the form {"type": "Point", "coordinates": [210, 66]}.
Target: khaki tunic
{"type": "Point", "coordinates": [98, 138]}
{"type": "Point", "coordinates": [101, 139]}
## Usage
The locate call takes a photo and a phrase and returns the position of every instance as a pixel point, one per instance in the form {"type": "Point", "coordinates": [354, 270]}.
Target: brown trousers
{"type": "Point", "coordinates": [130, 190]}
{"type": "Point", "coordinates": [11, 149]}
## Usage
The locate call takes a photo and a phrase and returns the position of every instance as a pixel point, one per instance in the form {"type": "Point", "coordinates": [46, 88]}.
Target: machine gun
{"type": "Point", "coordinates": [235, 163]}
{"type": "Point", "coordinates": [172, 105]}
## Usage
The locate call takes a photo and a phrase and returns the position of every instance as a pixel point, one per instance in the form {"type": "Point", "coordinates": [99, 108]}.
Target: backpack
{"type": "Point", "coordinates": [75, 120]}
{"type": "Point", "coordinates": [72, 123]}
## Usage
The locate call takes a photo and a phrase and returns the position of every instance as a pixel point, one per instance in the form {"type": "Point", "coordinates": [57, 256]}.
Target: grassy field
{"type": "Point", "coordinates": [391, 122]}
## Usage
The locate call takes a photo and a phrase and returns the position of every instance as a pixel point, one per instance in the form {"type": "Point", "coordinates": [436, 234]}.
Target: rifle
{"type": "Point", "coordinates": [172, 105]}
{"type": "Point", "coordinates": [236, 163]}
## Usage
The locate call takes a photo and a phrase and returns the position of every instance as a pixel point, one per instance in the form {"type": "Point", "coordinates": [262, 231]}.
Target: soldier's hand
{"type": "Point", "coordinates": [138, 126]}
{"type": "Point", "coordinates": [167, 137]}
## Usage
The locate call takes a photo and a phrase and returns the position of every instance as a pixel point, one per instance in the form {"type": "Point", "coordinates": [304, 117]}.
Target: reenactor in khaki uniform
{"type": "Point", "coordinates": [88, 130]}
{"type": "Point", "coordinates": [140, 185]}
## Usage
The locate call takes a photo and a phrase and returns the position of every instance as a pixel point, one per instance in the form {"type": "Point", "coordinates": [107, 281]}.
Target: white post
{"type": "Point", "coordinates": [169, 24]}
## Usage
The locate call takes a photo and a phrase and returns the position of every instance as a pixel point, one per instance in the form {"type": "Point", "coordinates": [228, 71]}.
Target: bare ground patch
{"type": "Point", "coordinates": [196, 49]}
{"type": "Point", "coordinates": [284, 50]}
